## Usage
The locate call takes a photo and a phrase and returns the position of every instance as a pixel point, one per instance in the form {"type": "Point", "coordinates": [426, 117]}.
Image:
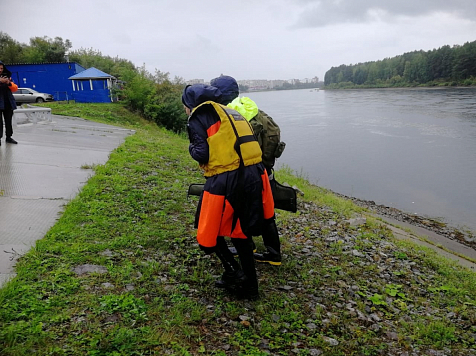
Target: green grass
{"type": "Point", "coordinates": [156, 296]}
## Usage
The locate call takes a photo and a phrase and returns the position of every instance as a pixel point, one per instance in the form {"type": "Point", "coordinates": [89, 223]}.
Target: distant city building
{"type": "Point", "coordinates": [195, 81]}
{"type": "Point", "coordinates": [256, 84]}
{"type": "Point", "coordinates": [264, 84]}
{"type": "Point", "coordinates": [277, 83]}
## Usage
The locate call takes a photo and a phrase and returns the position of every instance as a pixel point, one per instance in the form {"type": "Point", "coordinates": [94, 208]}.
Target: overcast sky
{"type": "Point", "coordinates": [247, 39]}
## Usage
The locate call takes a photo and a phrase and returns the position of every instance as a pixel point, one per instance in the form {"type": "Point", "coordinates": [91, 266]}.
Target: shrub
{"type": "Point", "coordinates": [469, 81]}
{"type": "Point", "coordinates": [155, 97]}
{"type": "Point", "coordinates": [137, 89]}
{"type": "Point", "coordinates": [165, 107]}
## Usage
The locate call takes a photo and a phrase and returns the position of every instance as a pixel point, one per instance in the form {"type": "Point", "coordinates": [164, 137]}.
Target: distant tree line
{"type": "Point", "coordinates": [439, 67]}
{"type": "Point", "coordinates": [154, 96]}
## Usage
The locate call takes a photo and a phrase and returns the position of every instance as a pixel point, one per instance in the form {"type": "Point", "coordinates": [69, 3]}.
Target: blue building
{"type": "Point", "coordinates": [51, 78]}
{"type": "Point", "coordinates": [93, 86]}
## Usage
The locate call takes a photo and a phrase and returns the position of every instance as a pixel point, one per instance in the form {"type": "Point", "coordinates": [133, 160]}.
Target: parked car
{"type": "Point", "coordinates": [28, 95]}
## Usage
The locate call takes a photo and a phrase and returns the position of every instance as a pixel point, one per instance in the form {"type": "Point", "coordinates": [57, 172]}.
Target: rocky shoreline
{"type": "Point", "coordinates": [465, 237]}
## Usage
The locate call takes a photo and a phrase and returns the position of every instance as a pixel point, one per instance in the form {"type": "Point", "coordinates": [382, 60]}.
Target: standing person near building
{"type": "Point", "coordinates": [237, 195]}
{"type": "Point", "coordinates": [7, 103]}
{"type": "Point", "coordinates": [258, 118]}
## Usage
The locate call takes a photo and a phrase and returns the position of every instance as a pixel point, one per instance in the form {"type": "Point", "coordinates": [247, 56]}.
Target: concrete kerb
{"type": "Point", "coordinates": [450, 249]}
{"type": "Point", "coordinates": [44, 172]}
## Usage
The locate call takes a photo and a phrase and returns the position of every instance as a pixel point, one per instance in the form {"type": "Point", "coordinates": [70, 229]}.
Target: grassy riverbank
{"type": "Point", "coordinates": [343, 289]}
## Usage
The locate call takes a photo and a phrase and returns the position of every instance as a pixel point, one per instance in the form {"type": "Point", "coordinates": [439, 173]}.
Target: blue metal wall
{"type": "Point", "coordinates": [51, 78]}
{"type": "Point", "coordinates": [92, 96]}
{"type": "Point", "coordinates": [99, 94]}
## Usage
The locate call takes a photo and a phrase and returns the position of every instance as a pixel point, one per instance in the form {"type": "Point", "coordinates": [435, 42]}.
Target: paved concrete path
{"type": "Point", "coordinates": [42, 173]}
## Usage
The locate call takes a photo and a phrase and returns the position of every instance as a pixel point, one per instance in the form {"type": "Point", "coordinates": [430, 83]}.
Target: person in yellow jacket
{"type": "Point", "coordinates": [249, 110]}
{"type": "Point", "coordinates": [237, 196]}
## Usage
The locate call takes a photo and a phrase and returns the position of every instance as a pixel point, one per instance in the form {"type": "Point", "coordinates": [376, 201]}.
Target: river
{"type": "Point", "coordinates": [412, 149]}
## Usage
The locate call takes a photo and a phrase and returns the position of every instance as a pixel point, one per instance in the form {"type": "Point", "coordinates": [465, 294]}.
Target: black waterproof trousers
{"type": "Point", "coordinates": [271, 237]}
{"type": "Point", "coordinates": [7, 115]}
{"type": "Point", "coordinates": [270, 231]}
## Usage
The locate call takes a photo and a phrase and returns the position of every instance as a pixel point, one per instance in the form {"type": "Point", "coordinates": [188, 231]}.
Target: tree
{"type": "Point", "coordinates": [243, 88]}
{"type": "Point", "coordinates": [348, 74]}
{"type": "Point", "coordinates": [46, 50]}
{"type": "Point", "coordinates": [373, 73]}
{"type": "Point", "coordinates": [11, 51]}
{"type": "Point", "coordinates": [360, 75]}
{"type": "Point", "coordinates": [464, 63]}
{"type": "Point", "coordinates": [94, 58]}
{"type": "Point", "coordinates": [409, 72]}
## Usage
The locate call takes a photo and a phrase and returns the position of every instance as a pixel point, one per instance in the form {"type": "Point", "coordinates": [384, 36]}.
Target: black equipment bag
{"type": "Point", "coordinates": [285, 198]}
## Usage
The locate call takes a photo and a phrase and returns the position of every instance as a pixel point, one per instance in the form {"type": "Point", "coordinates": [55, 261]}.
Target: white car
{"type": "Point", "coordinates": [28, 95]}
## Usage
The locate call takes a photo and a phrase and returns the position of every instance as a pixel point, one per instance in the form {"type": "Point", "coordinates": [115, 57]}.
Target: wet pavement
{"type": "Point", "coordinates": [42, 173]}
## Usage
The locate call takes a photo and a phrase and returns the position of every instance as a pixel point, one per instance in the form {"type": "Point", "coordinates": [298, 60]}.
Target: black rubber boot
{"type": "Point", "coordinates": [248, 289]}
{"type": "Point", "coordinates": [272, 244]}
{"type": "Point", "coordinates": [235, 252]}
{"type": "Point", "coordinates": [268, 257]}
{"type": "Point", "coordinates": [233, 275]}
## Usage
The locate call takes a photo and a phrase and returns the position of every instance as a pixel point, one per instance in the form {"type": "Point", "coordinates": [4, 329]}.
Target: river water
{"type": "Point", "coordinates": [412, 149]}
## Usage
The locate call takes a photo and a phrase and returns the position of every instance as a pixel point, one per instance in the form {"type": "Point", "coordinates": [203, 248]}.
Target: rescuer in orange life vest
{"type": "Point", "coordinates": [249, 110]}
{"type": "Point", "coordinates": [237, 195]}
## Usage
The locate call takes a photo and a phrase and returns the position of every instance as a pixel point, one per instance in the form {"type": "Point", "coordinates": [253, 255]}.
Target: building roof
{"type": "Point", "coordinates": [36, 63]}
{"type": "Point", "coordinates": [78, 66]}
{"type": "Point", "coordinates": [91, 73]}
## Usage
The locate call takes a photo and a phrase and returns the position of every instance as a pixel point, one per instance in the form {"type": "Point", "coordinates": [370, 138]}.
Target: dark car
{"type": "Point", "coordinates": [28, 95]}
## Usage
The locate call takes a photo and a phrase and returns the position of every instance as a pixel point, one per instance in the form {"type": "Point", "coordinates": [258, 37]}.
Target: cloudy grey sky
{"type": "Point", "coordinates": [248, 39]}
